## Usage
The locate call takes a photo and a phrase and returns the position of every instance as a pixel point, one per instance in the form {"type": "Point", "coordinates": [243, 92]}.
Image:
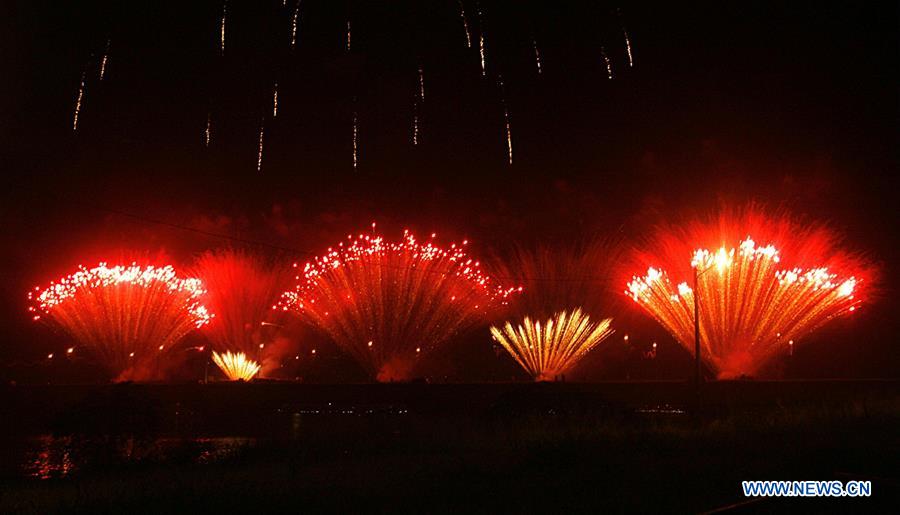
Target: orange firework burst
{"type": "Point", "coordinates": [127, 315]}
{"type": "Point", "coordinates": [751, 304]}
{"type": "Point", "coordinates": [241, 289]}
{"type": "Point", "coordinates": [387, 303]}
{"type": "Point", "coordinates": [236, 367]}
{"type": "Point", "coordinates": [551, 349]}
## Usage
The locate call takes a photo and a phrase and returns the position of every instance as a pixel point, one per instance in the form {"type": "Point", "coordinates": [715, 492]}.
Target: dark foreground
{"type": "Point", "coordinates": [489, 448]}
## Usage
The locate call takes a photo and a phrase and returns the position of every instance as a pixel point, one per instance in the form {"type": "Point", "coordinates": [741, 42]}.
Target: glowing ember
{"type": "Point", "coordinates": [241, 289]}
{"type": "Point", "coordinates": [551, 349]}
{"type": "Point", "coordinates": [104, 60]}
{"type": "Point", "coordinates": [259, 150]}
{"type": "Point", "coordinates": [294, 22]}
{"type": "Point", "coordinates": [380, 301]}
{"type": "Point", "coordinates": [607, 63]}
{"type": "Point", "coordinates": [236, 367]}
{"type": "Point", "coordinates": [537, 56]}
{"type": "Point", "coordinates": [462, 15]}
{"type": "Point", "coordinates": [78, 100]}
{"type": "Point", "coordinates": [123, 312]}
{"type": "Point", "coordinates": [751, 307]}
{"type": "Point", "coordinates": [222, 28]}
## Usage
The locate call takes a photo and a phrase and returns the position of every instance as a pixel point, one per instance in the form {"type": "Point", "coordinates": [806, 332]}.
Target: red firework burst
{"type": "Point", "coordinates": [387, 303]}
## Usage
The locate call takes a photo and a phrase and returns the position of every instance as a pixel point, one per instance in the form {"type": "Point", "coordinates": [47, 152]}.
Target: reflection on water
{"type": "Point", "coordinates": [48, 457]}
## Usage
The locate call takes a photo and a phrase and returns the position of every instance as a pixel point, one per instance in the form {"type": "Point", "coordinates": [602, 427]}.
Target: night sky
{"type": "Point", "coordinates": [791, 106]}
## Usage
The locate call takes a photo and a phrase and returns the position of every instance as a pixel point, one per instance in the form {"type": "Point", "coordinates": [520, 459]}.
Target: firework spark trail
{"type": "Point", "coordinates": [236, 367]}
{"type": "Point", "coordinates": [348, 35]}
{"type": "Point", "coordinates": [78, 100]}
{"type": "Point", "coordinates": [387, 303]}
{"type": "Point", "coordinates": [481, 53]}
{"type": "Point", "coordinates": [537, 56]}
{"type": "Point", "coordinates": [415, 129]}
{"type": "Point", "coordinates": [126, 315]}
{"type": "Point", "coordinates": [355, 140]}
{"type": "Point", "coordinates": [259, 153]}
{"type": "Point", "coordinates": [462, 15]}
{"type": "Point", "coordinates": [208, 131]}
{"type": "Point", "coordinates": [222, 28]}
{"type": "Point", "coordinates": [275, 101]}
{"type": "Point", "coordinates": [627, 40]}
{"type": "Point", "coordinates": [294, 22]}
{"type": "Point", "coordinates": [551, 349]}
{"type": "Point", "coordinates": [607, 62]}
{"type": "Point", "coordinates": [421, 85]}
{"type": "Point", "coordinates": [104, 60]}
{"type": "Point", "coordinates": [750, 306]}
{"type": "Point", "coordinates": [509, 146]}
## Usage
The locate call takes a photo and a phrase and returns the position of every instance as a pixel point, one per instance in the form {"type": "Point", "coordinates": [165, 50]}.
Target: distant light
{"type": "Point", "coordinates": [262, 345]}
{"type": "Point", "coordinates": [370, 343]}
{"type": "Point", "coordinates": [161, 347]}
{"type": "Point", "coordinates": [298, 356]}
{"type": "Point", "coordinates": [70, 350]}
{"type": "Point", "coordinates": [50, 356]}
{"type": "Point", "coordinates": [625, 337]}
{"type": "Point", "coordinates": [790, 342]}
{"type": "Point", "coordinates": [654, 345]}
{"type": "Point", "coordinates": [131, 355]}
{"type": "Point", "coordinates": [314, 351]}
{"type": "Point", "coordinates": [418, 350]}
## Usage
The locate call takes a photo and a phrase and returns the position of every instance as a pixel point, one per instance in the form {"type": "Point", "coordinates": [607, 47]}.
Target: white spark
{"type": "Point", "coordinates": [609, 72]}
{"type": "Point", "coordinates": [348, 35]}
{"type": "Point", "coordinates": [222, 28]}
{"type": "Point", "coordinates": [275, 101]}
{"type": "Point", "coordinates": [104, 60]}
{"type": "Point", "coordinates": [462, 15]}
{"type": "Point", "coordinates": [628, 47]}
{"type": "Point", "coordinates": [537, 56]}
{"type": "Point", "coordinates": [355, 140]}
{"type": "Point", "coordinates": [415, 131]}
{"type": "Point", "coordinates": [294, 20]}
{"type": "Point", "coordinates": [259, 153]}
{"type": "Point", "coordinates": [207, 132]}
{"type": "Point", "coordinates": [481, 53]}
{"type": "Point", "coordinates": [509, 149]}
{"type": "Point", "coordinates": [421, 85]}
{"type": "Point", "coordinates": [78, 104]}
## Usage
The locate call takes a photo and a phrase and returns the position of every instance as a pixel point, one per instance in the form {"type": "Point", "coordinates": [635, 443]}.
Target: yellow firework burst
{"type": "Point", "coordinates": [236, 366]}
{"type": "Point", "coordinates": [546, 350]}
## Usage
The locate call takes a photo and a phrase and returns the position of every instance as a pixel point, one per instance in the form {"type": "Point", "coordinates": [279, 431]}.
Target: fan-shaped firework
{"type": "Point", "coordinates": [549, 349]}
{"type": "Point", "coordinates": [387, 303]}
{"type": "Point", "coordinates": [241, 289]}
{"type": "Point", "coordinates": [126, 315]}
{"type": "Point", "coordinates": [236, 367]}
{"type": "Point", "coordinates": [751, 305]}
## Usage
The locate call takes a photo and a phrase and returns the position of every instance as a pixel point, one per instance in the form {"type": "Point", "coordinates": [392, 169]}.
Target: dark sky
{"type": "Point", "coordinates": [791, 104]}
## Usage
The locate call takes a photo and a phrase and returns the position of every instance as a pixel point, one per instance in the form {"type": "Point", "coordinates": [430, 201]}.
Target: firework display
{"type": "Point", "coordinates": [752, 305]}
{"type": "Point", "coordinates": [241, 289]}
{"type": "Point", "coordinates": [550, 349]}
{"type": "Point", "coordinates": [557, 278]}
{"type": "Point", "coordinates": [236, 367]}
{"type": "Point", "coordinates": [125, 315]}
{"type": "Point", "coordinates": [386, 303]}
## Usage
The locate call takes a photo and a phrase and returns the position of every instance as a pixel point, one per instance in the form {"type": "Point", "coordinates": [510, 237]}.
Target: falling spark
{"type": "Point", "coordinates": [551, 349]}
{"type": "Point", "coordinates": [355, 140]}
{"type": "Point", "coordinates": [380, 300]}
{"type": "Point", "coordinates": [222, 28]}
{"type": "Point", "coordinates": [606, 61]}
{"type": "Point", "coordinates": [275, 101]}
{"type": "Point", "coordinates": [236, 367]}
{"type": "Point", "coordinates": [481, 53]}
{"type": "Point", "coordinates": [78, 104]}
{"type": "Point", "coordinates": [348, 35]}
{"type": "Point", "coordinates": [208, 130]}
{"type": "Point", "coordinates": [104, 60]}
{"type": "Point", "coordinates": [627, 40]}
{"type": "Point", "coordinates": [537, 56]}
{"type": "Point", "coordinates": [294, 20]}
{"type": "Point", "coordinates": [462, 15]}
{"type": "Point", "coordinates": [115, 312]}
{"type": "Point", "coordinates": [749, 303]}
{"type": "Point", "coordinates": [509, 148]}
{"type": "Point", "coordinates": [259, 153]}
{"type": "Point", "coordinates": [415, 131]}
{"type": "Point", "coordinates": [421, 85]}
